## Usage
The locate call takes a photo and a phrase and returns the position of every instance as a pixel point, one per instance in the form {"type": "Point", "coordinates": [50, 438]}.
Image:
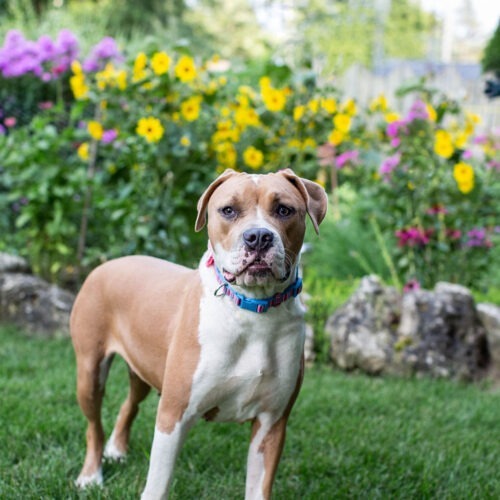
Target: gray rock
{"type": "Point", "coordinates": [445, 337]}
{"type": "Point", "coordinates": [489, 314]}
{"type": "Point", "coordinates": [13, 264]}
{"type": "Point", "coordinates": [34, 305]}
{"type": "Point", "coordinates": [362, 330]}
{"type": "Point", "coordinates": [437, 332]}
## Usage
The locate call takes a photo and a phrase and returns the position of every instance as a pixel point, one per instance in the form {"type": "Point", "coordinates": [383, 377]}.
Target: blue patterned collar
{"type": "Point", "coordinates": [255, 305]}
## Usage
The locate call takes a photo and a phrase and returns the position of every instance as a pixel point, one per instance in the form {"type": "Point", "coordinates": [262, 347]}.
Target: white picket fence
{"type": "Point", "coordinates": [459, 81]}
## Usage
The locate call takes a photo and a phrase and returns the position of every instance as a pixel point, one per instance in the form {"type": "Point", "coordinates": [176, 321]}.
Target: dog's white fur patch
{"type": "Point", "coordinates": [111, 451]}
{"type": "Point", "coordinates": [92, 480]}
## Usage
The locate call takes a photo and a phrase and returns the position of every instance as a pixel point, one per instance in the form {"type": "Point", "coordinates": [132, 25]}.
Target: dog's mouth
{"type": "Point", "coordinates": [254, 271]}
{"type": "Point", "coordinates": [257, 268]}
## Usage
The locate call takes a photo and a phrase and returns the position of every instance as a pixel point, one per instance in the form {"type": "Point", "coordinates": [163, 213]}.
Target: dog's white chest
{"type": "Point", "coordinates": [249, 363]}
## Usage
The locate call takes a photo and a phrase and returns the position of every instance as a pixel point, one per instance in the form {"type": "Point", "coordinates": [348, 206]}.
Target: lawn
{"type": "Point", "coordinates": [349, 436]}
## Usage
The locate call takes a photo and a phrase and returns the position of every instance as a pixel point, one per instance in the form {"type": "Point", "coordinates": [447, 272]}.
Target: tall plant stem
{"type": "Point", "coordinates": [87, 201]}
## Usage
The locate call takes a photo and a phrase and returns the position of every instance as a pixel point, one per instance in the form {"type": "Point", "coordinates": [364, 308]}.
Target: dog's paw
{"type": "Point", "coordinates": [85, 481]}
{"type": "Point", "coordinates": [112, 452]}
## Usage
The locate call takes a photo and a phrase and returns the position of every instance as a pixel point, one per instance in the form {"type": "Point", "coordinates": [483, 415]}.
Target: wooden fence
{"type": "Point", "coordinates": [459, 81]}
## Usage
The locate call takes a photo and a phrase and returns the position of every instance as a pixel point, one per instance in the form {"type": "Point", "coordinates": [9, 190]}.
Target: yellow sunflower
{"type": "Point", "coordinates": [150, 128]}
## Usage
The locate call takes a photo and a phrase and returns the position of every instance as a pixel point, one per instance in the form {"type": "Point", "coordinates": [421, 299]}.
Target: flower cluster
{"type": "Point", "coordinates": [46, 59]}
{"type": "Point", "coordinates": [171, 120]}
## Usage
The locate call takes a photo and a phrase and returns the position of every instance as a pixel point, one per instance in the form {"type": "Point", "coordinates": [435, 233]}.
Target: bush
{"type": "Point", "coordinates": [129, 146]}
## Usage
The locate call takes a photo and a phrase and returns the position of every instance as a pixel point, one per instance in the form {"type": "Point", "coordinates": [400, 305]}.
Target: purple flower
{"type": "Point", "coordinates": [43, 58]}
{"type": "Point", "coordinates": [388, 165]}
{"type": "Point", "coordinates": [394, 129]}
{"type": "Point", "coordinates": [102, 53]}
{"type": "Point", "coordinates": [477, 237]}
{"type": "Point", "coordinates": [109, 136]}
{"type": "Point", "coordinates": [418, 111]}
{"type": "Point", "coordinates": [46, 49]}
{"type": "Point", "coordinates": [67, 51]}
{"type": "Point", "coordinates": [2, 129]}
{"type": "Point", "coordinates": [346, 157]}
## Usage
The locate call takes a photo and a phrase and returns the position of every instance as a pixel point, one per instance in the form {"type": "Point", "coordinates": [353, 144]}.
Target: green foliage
{"type": "Point", "coordinates": [349, 434]}
{"type": "Point", "coordinates": [339, 33]}
{"type": "Point", "coordinates": [491, 56]}
{"type": "Point", "coordinates": [40, 202]}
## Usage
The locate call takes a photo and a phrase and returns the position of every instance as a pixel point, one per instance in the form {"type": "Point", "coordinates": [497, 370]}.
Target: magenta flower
{"type": "Point", "coordinates": [413, 236]}
{"type": "Point", "coordinates": [109, 136]}
{"type": "Point", "coordinates": [411, 286]}
{"type": "Point", "coordinates": [388, 165]}
{"type": "Point", "coordinates": [346, 157]}
{"type": "Point", "coordinates": [418, 111]}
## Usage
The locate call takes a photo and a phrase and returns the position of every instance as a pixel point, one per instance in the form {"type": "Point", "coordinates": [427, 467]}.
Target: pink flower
{"type": "Point", "coordinates": [388, 165]}
{"type": "Point", "coordinates": [418, 111]}
{"type": "Point", "coordinates": [412, 236]}
{"type": "Point", "coordinates": [394, 128]}
{"type": "Point", "coordinates": [411, 286]}
{"type": "Point", "coordinates": [10, 121]}
{"type": "Point", "coordinates": [109, 136]}
{"type": "Point", "coordinates": [348, 156]}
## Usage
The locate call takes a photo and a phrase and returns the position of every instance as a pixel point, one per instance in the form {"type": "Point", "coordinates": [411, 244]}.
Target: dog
{"type": "Point", "coordinates": [223, 342]}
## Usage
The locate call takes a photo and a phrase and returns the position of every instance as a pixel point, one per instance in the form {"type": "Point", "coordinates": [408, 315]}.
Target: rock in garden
{"type": "Point", "coordinates": [33, 304]}
{"type": "Point", "coordinates": [364, 328]}
{"type": "Point", "coordinates": [436, 332]}
{"type": "Point", "coordinates": [441, 333]}
{"type": "Point", "coordinates": [13, 264]}
{"type": "Point", "coordinates": [489, 314]}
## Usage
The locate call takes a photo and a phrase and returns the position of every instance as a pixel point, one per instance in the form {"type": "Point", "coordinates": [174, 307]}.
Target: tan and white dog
{"type": "Point", "coordinates": [223, 342]}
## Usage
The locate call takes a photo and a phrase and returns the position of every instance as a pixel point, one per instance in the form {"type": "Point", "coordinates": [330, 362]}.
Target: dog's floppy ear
{"type": "Point", "coordinates": [201, 219]}
{"type": "Point", "coordinates": [314, 196]}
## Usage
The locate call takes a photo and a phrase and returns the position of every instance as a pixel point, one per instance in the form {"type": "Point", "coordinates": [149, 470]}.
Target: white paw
{"type": "Point", "coordinates": [112, 452]}
{"type": "Point", "coordinates": [92, 480]}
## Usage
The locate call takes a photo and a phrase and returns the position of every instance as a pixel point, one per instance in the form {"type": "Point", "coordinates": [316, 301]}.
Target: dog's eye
{"type": "Point", "coordinates": [284, 211]}
{"type": "Point", "coordinates": [228, 212]}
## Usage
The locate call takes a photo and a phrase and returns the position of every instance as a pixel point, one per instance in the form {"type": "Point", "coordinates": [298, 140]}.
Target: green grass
{"type": "Point", "coordinates": [349, 436]}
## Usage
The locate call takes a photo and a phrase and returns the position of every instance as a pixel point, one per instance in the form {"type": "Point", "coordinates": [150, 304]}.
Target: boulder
{"type": "Point", "coordinates": [31, 303]}
{"type": "Point", "coordinates": [13, 264]}
{"type": "Point", "coordinates": [363, 329]}
{"type": "Point", "coordinates": [489, 314]}
{"type": "Point", "coordinates": [379, 330]}
{"type": "Point", "coordinates": [442, 333]}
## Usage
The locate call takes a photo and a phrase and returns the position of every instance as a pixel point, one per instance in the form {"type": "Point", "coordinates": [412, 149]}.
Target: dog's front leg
{"type": "Point", "coordinates": [166, 447]}
{"type": "Point", "coordinates": [263, 456]}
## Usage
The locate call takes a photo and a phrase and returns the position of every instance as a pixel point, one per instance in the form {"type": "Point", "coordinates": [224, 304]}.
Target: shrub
{"type": "Point", "coordinates": [129, 146]}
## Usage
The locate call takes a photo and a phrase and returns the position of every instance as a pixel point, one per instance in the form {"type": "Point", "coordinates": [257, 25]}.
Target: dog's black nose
{"type": "Point", "coordinates": [258, 239]}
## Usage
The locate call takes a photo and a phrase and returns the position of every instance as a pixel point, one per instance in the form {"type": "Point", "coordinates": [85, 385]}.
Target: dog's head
{"type": "Point", "coordinates": [256, 224]}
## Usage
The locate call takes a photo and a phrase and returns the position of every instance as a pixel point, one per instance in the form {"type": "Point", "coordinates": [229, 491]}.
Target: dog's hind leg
{"type": "Point", "coordinates": [91, 376]}
{"type": "Point", "coordinates": [116, 447]}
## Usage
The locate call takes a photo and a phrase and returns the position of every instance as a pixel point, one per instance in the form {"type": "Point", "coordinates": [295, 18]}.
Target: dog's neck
{"type": "Point", "coordinates": [257, 303]}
